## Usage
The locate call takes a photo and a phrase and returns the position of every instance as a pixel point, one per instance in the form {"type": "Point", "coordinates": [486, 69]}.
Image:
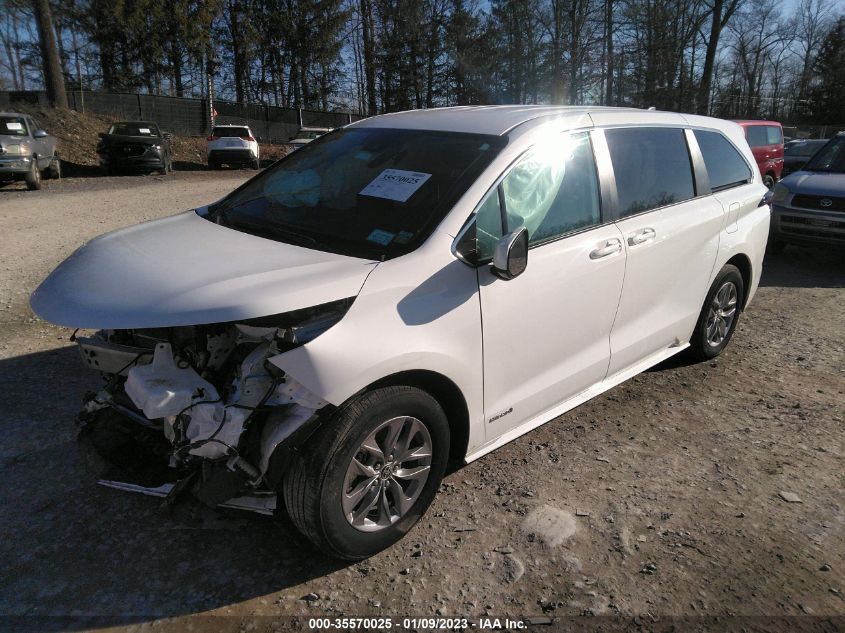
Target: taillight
{"type": "Point", "coordinates": [211, 138]}
{"type": "Point", "coordinates": [248, 138]}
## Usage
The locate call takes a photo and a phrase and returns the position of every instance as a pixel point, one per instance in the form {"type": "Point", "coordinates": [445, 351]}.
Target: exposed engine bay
{"type": "Point", "coordinates": [201, 410]}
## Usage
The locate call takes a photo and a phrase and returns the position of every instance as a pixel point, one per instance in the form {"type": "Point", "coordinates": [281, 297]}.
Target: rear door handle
{"type": "Point", "coordinates": [641, 236]}
{"type": "Point", "coordinates": [607, 248]}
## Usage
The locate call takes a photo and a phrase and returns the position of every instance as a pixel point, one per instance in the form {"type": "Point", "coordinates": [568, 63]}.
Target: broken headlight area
{"type": "Point", "coordinates": [201, 409]}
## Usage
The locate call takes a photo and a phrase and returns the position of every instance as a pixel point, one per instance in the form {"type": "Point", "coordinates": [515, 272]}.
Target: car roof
{"type": "Point", "coordinates": [501, 119]}
{"type": "Point", "coordinates": [135, 123]}
{"type": "Point", "coordinates": [13, 114]}
{"type": "Point", "coordinates": [230, 125]}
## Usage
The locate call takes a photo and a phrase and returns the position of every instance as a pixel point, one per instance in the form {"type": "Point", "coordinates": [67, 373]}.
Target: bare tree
{"type": "Point", "coordinates": [53, 78]}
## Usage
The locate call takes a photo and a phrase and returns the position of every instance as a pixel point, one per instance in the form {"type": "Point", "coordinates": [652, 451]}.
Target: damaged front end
{"type": "Point", "coordinates": [201, 411]}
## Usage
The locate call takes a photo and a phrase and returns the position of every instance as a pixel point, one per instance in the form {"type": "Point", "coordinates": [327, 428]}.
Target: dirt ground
{"type": "Point", "coordinates": [656, 506]}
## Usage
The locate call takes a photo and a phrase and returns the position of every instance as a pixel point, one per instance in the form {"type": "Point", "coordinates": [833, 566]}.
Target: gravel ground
{"type": "Point", "coordinates": [660, 502]}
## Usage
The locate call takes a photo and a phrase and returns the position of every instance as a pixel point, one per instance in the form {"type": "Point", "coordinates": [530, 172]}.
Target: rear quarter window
{"type": "Point", "coordinates": [652, 168]}
{"type": "Point", "coordinates": [725, 165]}
{"type": "Point", "coordinates": [763, 135]}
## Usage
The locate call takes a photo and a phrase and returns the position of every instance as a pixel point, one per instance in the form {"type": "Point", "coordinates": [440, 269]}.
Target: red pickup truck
{"type": "Point", "coordinates": [766, 141]}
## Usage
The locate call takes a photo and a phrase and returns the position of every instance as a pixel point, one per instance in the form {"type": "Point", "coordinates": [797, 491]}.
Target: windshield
{"type": "Point", "coordinates": [12, 126]}
{"type": "Point", "coordinates": [366, 192]}
{"type": "Point", "coordinates": [803, 148]}
{"type": "Point", "coordinates": [134, 129]}
{"type": "Point", "coordinates": [831, 157]}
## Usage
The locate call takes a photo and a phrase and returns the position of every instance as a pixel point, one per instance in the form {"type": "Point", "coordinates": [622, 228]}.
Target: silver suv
{"type": "Point", "coordinates": [26, 150]}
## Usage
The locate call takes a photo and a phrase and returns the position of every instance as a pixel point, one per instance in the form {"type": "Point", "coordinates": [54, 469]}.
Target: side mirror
{"type": "Point", "coordinates": [39, 134]}
{"type": "Point", "coordinates": [510, 259]}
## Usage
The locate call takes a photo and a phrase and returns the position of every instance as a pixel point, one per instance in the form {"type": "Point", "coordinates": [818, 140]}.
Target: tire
{"type": "Point", "coordinates": [55, 169]}
{"type": "Point", "coordinates": [769, 181]}
{"type": "Point", "coordinates": [316, 485]}
{"type": "Point", "coordinates": [213, 164]}
{"type": "Point", "coordinates": [256, 164]}
{"type": "Point", "coordinates": [33, 177]}
{"type": "Point", "coordinates": [710, 338]}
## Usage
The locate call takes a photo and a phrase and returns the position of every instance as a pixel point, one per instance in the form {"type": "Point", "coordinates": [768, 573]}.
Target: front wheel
{"type": "Point", "coordinates": [371, 472]}
{"type": "Point", "coordinates": [719, 315]}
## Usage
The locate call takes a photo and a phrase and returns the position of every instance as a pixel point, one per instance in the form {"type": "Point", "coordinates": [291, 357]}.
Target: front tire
{"type": "Point", "coordinates": [33, 176]}
{"type": "Point", "coordinates": [719, 315]}
{"type": "Point", "coordinates": [371, 472]}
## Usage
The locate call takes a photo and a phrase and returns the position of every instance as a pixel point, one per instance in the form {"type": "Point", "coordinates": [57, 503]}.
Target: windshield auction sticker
{"type": "Point", "coordinates": [395, 184]}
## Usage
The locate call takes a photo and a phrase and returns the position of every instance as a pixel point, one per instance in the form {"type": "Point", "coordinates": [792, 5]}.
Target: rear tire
{"type": "Point", "coordinates": [395, 476]}
{"type": "Point", "coordinates": [55, 169]}
{"type": "Point", "coordinates": [256, 164]}
{"type": "Point", "coordinates": [33, 177]}
{"type": "Point", "coordinates": [719, 315]}
{"type": "Point", "coordinates": [769, 181]}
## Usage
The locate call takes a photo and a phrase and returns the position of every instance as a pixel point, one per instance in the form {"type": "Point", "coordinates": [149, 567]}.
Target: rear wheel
{"type": "Point", "coordinates": [371, 473]}
{"type": "Point", "coordinates": [33, 177]}
{"type": "Point", "coordinates": [256, 164]}
{"type": "Point", "coordinates": [719, 316]}
{"type": "Point", "coordinates": [769, 181]}
{"type": "Point", "coordinates": [55, 168]}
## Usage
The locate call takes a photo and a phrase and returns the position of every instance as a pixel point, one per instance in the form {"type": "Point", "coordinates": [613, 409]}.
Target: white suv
{"type": "Point", "coordinates": [232, 145]}
{"type": "Point", "coordinates": [409, 290]}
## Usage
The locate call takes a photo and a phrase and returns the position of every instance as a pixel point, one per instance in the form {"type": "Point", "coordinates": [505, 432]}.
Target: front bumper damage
{"type": "Point", "coordinates": [199, 413]}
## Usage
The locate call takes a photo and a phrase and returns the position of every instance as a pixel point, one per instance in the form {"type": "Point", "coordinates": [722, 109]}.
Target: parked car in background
{"type": "Point", "coordinates": [796, 153]}
{"type": "Point", "coordinates": [766, 141]}
{"type": "Point", "coordinates": [135, 146]}
{"type": "Point", "coordinates": [26, 151]}
{"type": "Point", "coordinates": [232, 145]}
{"type": "Point", "coordinates": [307, 134]}
{"type": "Point", "coordinates": [808, 206]}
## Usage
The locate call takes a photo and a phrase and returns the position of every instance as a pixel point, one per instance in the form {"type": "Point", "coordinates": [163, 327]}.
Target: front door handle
{"type": "Point", "coordinates": [641, 236]}
{"type": "Point", "coordinates": [607, 248]}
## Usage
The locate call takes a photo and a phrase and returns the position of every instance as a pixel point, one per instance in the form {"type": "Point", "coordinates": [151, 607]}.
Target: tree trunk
{"type": "Point", "coordinates": [608, 95]}
{"type": "Point", "coordinates": [369, 57]}
{"type": "Point", "coordinates": [51, 64]}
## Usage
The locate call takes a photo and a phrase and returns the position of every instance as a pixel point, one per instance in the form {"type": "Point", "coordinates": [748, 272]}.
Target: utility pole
{"type": "Point", "coordinates": [53, 79]}
{"type": "Point", "coordinates": [210, 67]}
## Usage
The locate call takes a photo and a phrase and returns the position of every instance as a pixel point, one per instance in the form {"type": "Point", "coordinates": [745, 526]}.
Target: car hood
{"type": "Point", "coordinates": [816, 183]}
{"type": "Point", "coordinates": [185, 270]}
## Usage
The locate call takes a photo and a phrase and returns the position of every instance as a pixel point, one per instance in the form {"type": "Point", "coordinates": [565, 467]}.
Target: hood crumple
{"type": "Point", "coordinates": [185, 270]}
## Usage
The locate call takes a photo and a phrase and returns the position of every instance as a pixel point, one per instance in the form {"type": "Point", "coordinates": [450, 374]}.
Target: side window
{"type": "Point", "coordinates": [488, 225]}
{"type": "Point", "coordinates": [553, 189]}
{"type": "Point", "coordinates": [652, 168]}
{"type": "Point", "coordinates": [725, 165]}
{"type": "Point", "coordinates": [774, 135]}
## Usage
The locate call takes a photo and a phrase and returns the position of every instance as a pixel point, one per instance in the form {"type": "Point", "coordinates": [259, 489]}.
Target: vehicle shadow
{"type": "Point", "coordinates": [805, 267]}
{"type": "Point", "coordinates": [72, 548]}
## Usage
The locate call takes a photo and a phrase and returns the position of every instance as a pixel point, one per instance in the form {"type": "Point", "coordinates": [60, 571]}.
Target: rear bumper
{"type": "Point", "coordinates": [804, 226]}
{"type": "Point", "coordinates": [234, 155]}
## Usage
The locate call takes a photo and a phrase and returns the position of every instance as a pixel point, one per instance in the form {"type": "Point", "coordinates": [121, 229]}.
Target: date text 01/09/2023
{"type": "Point", "coordinates": [430, 624]}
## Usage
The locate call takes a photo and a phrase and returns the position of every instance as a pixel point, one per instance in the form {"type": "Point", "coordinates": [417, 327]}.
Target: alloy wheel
{"type": "Point", "coordinates": [387, 474]}
{"type": "Point", "coordinates": [722, 313]}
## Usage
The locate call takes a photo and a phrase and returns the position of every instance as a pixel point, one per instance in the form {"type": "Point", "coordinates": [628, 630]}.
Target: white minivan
{"type": "Point", "coordinates": [412, 289]}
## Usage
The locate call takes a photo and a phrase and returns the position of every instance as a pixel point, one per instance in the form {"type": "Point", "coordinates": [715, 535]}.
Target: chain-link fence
{"type": "Point", "coordinates": [270, 124]}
